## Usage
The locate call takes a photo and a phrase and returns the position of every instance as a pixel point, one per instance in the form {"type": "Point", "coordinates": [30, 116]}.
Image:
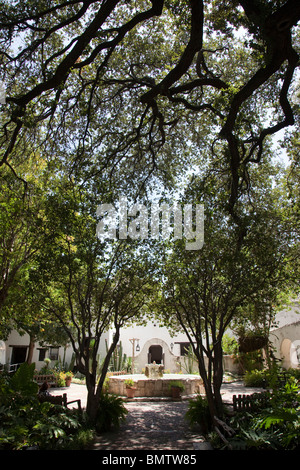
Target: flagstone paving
{"type": "Point", "coordinates": [153, 425]}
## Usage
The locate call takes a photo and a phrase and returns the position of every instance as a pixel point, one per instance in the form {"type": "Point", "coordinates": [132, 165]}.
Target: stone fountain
{"type": "Point", "coordinates": [154, 383]}
{"type": "Point", "coordinates": [154, 371]}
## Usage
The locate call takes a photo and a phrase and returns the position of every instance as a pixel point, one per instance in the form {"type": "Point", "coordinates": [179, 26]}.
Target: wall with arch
{"type": "Point", "coordinates": [286, 345]}
{"type": "Point", "coordinates": [169, 360]}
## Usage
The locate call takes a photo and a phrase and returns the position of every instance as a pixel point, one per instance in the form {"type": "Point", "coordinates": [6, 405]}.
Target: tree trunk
{"type": "Point", "coordinates": [92, 404]}
{"type": "Point", "coordinates": [207, 387]}
{"type": "Point", "coordinates": [212, 381]}
{"type": "Point", "coordinates": [218, 378]}
{"type": "Point", "coordinates": [30, 350]}
{"type": "Point", "coordinates": [94, 391]}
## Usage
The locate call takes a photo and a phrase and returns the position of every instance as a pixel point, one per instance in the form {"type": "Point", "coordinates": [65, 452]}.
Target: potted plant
{"type": "Point", "coordinates": [130, 388]}
{"type": "Point", "coordinates": [176, 388]}
{"type": "Point", "coordinates": [68, 378]}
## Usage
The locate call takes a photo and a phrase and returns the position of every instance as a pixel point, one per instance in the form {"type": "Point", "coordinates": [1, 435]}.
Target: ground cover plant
{"type": "Point", "coordinates": [27, 423]}
{"type": "Point", "coordinates": [274, 425]}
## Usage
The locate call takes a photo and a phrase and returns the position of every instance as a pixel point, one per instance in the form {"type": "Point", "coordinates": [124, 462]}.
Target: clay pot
{"type": "Point", "coordinates": [130, 392]}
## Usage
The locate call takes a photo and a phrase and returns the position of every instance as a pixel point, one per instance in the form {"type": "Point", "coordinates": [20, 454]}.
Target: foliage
{"type": "Point", "coordinates": [89, 75]}
{"type": "Point", "coordinates": [111, 412]}
{"type": "Point", "coordinates": [273, 377]}
{"type": "Point", "coordinates": [176, 384]}
{"type": "Point", "coordinates": [248, 361]}
{"type": "Point", "coordinates": [189, 361]}
{"type": "Point", "coordinates": [229, 344]}
{"type": "Point", "coordinates": [198, 413]}
{"type": "Point", "coordinates": [129, 383]}
{"type": "Point", "coordinates": [109, 97]}
{"type": "Point", "coordinates": [205, 291]}
{"type": "Point", "coordinates": [254, 378]}
{"type": "Point", "coordinates": [22, 380]}
{"type": "Point", "coordinates": [119, 360]}
{"type": "Point", "coordinates": [274, 427]}
{"type": "Point", "coordinates": [27, 423]}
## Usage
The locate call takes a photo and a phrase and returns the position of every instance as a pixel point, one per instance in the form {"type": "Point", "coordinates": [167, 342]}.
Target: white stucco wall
{"type": "Point", "coordinates": [152, 335]}
{"type": "Point", "coordinates": [15, 340]}
{"type": "Point", "coordinates": [285, 337]}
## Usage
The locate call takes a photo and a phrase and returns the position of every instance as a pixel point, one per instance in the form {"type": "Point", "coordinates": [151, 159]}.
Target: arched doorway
{"type": "Point", "coordinates": [155, 354]}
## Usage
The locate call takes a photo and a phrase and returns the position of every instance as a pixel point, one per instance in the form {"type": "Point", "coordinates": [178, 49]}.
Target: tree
{"type": "Point", "coordinates": [82, 62]}
{"type": "Point", "coordinates": [88, 285]}
{"type": "Point", "coordinates": [22, 231]}
{"type": "Point", "coordinates": [241, 264]}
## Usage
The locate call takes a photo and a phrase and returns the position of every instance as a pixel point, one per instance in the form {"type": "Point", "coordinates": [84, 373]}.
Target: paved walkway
{"type": "Point", "coordinates": [153, 425]}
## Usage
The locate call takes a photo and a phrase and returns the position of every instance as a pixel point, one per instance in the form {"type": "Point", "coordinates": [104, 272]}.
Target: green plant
{"type": "Point", "coordinates": [255, 378]}
{"type": "Point", "coordinates": [111, 412]}
{"type": "Point", "coordinates": [129, 383]}
{"type": "Point", "coordinates": [118, 361]}
{"type": "Point", "coordinates": [274, 427]}
{"type": "Point", "coordinates": [189, 360]}
{"type": "Point", "coordinates": [27, 423]}
{"type": "Point", "coordinates": [230, 345]}
{"type": "Point", "coordinates": [198, 413]}
{"type": "Point", "coordinates": [47, 362]}
{"type": "Point", "coordinates": [60, 378]}
{"type": "Point", "coordinates": [20, 383]}
{"type": "Point", "coordinates": [177, 384]}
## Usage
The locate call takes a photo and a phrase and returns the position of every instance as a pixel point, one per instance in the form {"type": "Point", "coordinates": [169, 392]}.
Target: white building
{"type": "Point", "coordinates": [153, 343]}
{"type": "Point", "coordinates": [146, 344]}
{"type": "Point", "coordinates": [285, 336]}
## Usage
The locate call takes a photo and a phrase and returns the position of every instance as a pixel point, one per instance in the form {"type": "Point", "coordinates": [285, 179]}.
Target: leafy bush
{"type": "Point", "coordinates": [273, 378]}
{"type": "Point", "coordinates": [177, 384]}
{"type": "Point", "coordinates": [255, 378]}
{"type": "Point", "coordinates": [230, 345]}
{"type": "Point", "coordinates": [27, 423]}
{"type": "Point", "coordinates": [198, 413]}
{"type": "Point", "coordinates": [275, 427]}
{"type": "Point", "coordinates": [111, 412]}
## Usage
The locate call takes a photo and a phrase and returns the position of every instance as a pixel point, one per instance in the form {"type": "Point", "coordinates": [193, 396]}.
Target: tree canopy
{"type": "Point", "coordinates": [118, 81]}
{"type": "Point", "coordinates": [128, 97]}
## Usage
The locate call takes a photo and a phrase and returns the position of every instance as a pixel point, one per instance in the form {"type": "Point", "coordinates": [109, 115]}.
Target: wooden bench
{"type": "Point", "coordinates": [50, 379]}
{"type": "Point", "coordinates": [58, 400]}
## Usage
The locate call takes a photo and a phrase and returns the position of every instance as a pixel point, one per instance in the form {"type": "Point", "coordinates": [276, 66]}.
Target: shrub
{"type": "Point", "coordinates": [274, 427]}
{"type": "Point", "coordinates": [198, 413]}
{"type": "Point", "coordinates": [27, 423]}
{"type": "Point", "coordinates": [111, 412]}
{"type": "Point", "coordinates": [177, 384]}
{"type": "Point", "coordinates": [255, 378]}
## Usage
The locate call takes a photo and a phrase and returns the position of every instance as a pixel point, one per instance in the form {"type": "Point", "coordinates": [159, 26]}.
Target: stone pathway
{"type": "Point", "coordinates": [152, 426]}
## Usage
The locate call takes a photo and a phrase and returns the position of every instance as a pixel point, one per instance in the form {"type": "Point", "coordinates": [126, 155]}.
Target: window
{"type": "Point", "coordinates": [53, 353]}
{"type": "Point", "coordinates": [19, 354]}
{"type": "Point", "coordinates": [42, 354]}
{"type": "Point", "coordinates": [184, 349]}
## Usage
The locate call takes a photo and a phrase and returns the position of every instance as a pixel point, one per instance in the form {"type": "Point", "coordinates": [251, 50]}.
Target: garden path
{"type": "Point", "coordinates": [153, 425]}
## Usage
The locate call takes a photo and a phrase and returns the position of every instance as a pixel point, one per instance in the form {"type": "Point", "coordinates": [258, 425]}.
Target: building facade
{"type": "Point", "coordinates": [153, 343]}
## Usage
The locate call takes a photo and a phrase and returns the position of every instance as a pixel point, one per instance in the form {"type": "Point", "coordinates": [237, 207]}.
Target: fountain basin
{"type": "Point", "coordinates": [158, 387]}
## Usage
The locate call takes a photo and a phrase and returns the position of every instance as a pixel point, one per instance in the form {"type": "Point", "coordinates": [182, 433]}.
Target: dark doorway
{"type": "Point", "coordinates": [18, 355]}
{"type": "Point", "coordinates": [155, 354]}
